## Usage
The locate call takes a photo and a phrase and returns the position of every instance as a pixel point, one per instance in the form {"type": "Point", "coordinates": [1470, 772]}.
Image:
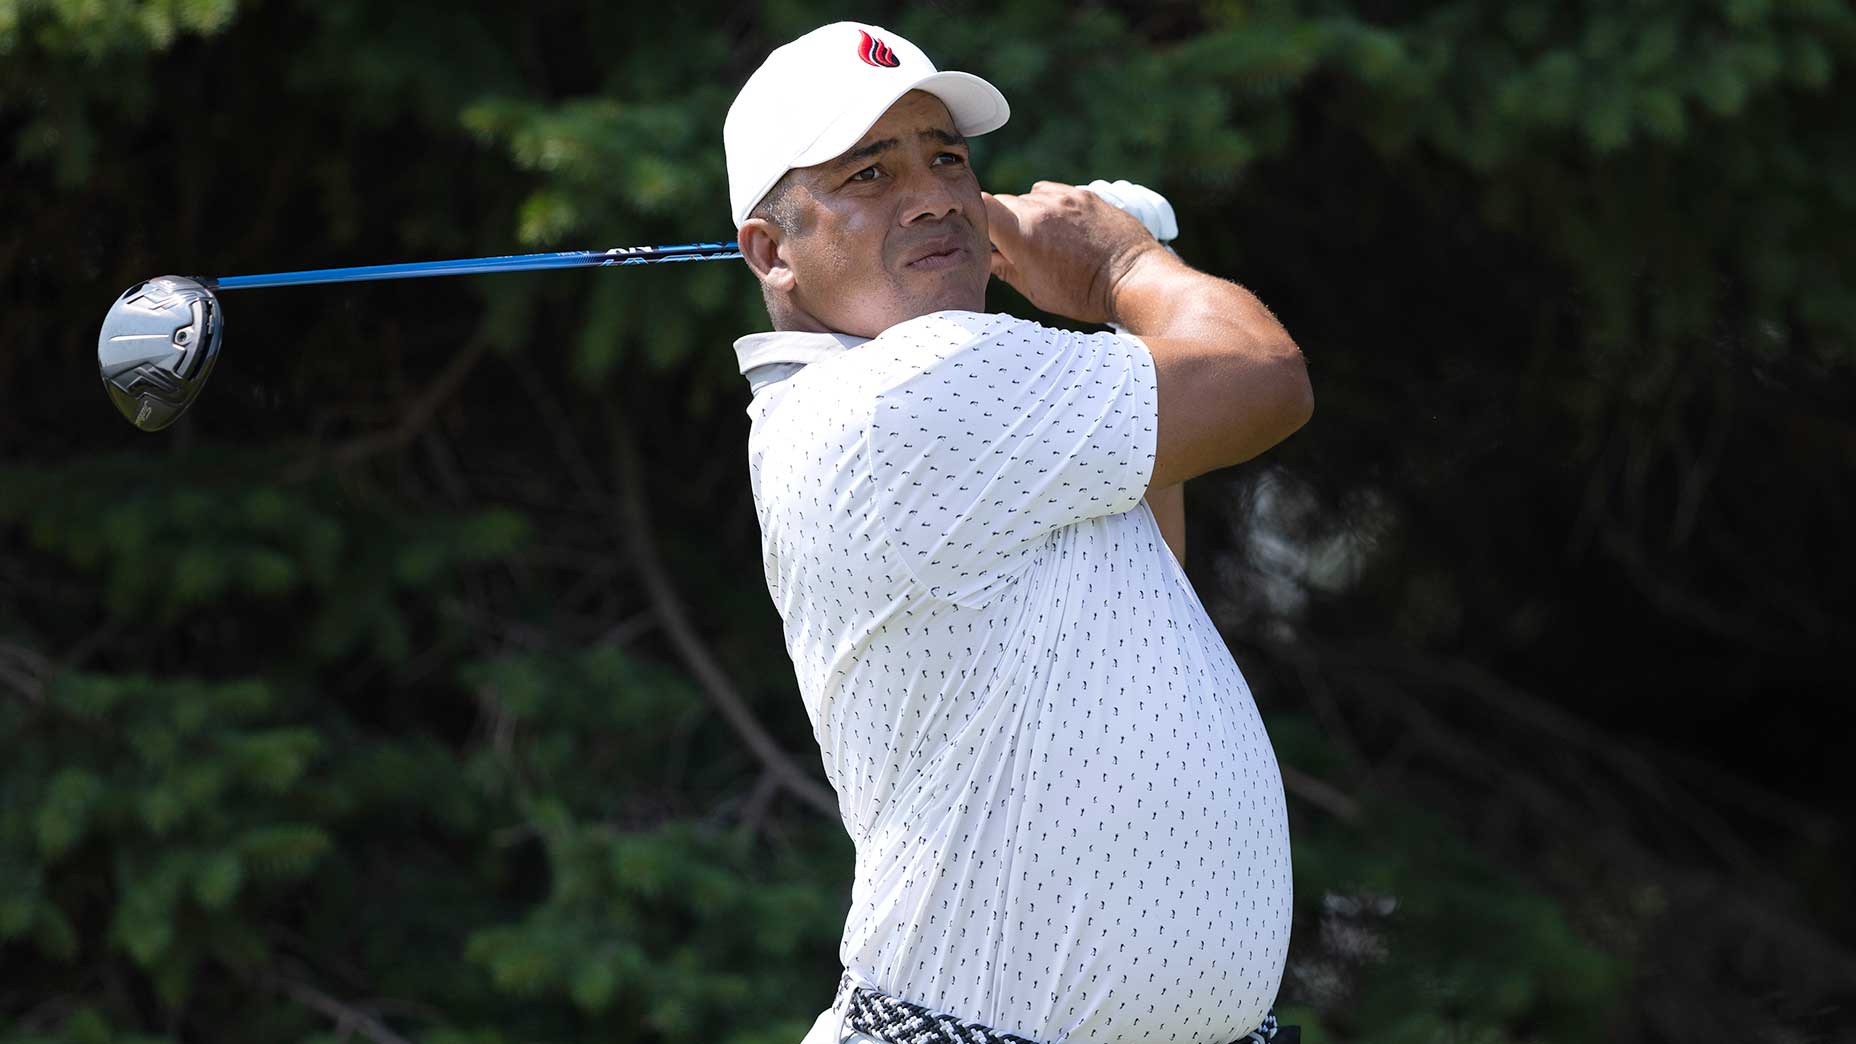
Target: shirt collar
{"type": "Point", "coordinates": [784, 352]}
{"type": "Point", "coordinates": [791, 346]}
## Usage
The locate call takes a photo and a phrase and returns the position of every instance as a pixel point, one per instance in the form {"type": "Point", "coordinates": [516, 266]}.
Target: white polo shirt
{"type": "Point", "coordinates": [1068, 819]}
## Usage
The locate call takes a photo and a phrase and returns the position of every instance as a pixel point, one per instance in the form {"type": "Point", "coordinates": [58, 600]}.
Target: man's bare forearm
{"type": "Point", "coordinates": [1169, 507]}
{"type": "Point", "coordinates": [1230, 382]}
{"type": "Point", "coordinates": [1160, 295]}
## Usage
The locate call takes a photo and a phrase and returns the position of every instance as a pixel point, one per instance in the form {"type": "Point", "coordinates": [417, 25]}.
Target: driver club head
{"type": "Point", "coordinates": [157, 347]}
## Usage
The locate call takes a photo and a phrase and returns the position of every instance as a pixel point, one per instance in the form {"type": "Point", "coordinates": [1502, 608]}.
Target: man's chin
{"type": "Point", "coordinates": [962, 302]}
{"type": "Point", "coordinates": [966, 295]}
{"type": "Point", "coordinates": [948, 297]}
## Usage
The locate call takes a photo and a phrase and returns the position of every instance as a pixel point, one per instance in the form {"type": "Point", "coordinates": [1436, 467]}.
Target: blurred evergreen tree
{"type": "Point", "coordinates": [421, 683]}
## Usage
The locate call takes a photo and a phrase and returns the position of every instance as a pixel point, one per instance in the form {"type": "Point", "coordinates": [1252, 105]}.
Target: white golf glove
{"type": "Point", "coordinates": [1144, 203]}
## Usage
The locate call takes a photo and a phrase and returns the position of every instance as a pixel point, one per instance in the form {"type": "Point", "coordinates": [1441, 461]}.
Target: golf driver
{"type": "Point", "coordinates": [162, 335]}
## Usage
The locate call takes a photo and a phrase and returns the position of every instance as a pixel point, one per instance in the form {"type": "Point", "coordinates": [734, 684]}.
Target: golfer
{"type": "Point", "coordinates": [1069, 823]}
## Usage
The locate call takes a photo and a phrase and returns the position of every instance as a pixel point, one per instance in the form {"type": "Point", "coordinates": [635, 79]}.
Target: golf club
{"type": "Point", "coordinates": [162, 335]}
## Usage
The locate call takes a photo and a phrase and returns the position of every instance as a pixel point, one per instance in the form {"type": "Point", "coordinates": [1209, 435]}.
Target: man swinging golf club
{"type": "Point", "coordinates": [1068, 818]}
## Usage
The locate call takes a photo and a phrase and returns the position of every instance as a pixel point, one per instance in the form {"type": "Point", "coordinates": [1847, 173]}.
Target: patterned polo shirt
{"type": "Point", "coordinates": [1069, 822]}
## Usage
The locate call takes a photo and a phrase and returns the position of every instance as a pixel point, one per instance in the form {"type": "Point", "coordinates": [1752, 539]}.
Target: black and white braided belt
{"type": "Point", "coordinates": [900, 1022]}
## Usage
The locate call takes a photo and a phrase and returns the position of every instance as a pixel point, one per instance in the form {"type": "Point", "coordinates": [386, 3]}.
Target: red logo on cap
{"type": "Point", "coordinates": [875, 52]}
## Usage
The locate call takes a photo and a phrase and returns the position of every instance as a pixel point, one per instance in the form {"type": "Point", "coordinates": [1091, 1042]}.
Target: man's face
{"type": "Point", "coordinates": [852, 263]}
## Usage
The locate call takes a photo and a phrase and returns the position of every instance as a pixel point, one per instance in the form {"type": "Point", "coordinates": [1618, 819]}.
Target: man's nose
{"type": "Point", "coordinates": [931, 196]}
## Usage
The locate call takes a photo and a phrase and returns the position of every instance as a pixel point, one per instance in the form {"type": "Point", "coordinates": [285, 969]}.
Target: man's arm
{"type": "Point", "coordinates": [1169, 507]}
{"type": "Point", "coordinates": [1230, 381]}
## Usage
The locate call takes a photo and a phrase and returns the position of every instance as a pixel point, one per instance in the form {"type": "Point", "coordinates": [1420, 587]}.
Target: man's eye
{"type": "Point", "coordinates": [858, 177]}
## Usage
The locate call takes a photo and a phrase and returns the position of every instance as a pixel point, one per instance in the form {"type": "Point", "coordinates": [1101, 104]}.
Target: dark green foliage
{"type": "Point", "coordinates": [341, 710]}
{"type": "Point", "coordinates": [1485, 957]}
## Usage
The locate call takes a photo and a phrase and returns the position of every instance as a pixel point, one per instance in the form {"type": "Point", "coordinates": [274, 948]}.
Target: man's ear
{"type": "Point", "coordinates": [759, 240]}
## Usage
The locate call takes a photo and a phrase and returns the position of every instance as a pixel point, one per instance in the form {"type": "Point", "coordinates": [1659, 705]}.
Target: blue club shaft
{"type": "Point", "coordinates": [641, 255]}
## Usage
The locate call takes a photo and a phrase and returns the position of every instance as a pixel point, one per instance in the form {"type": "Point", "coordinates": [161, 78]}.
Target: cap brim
{"type": "Point", "coordinates": [976, 106]}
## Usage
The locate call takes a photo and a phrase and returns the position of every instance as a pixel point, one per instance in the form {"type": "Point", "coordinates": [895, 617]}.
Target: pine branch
{"type": "Point", "coordinates": [415, 417]}
{"type": "Point", "coordinates": [754, 810]}
{"type": "Point", "coordinates": [1750, 899]}
{"type": "Point", "coordinates": [696, 655]}
{"type": "Point", "coordinates": [23, 671]}
{"type": "Point", "coordinates": [635, 536]}
{"type": "Point", "coordinates": [1319, 793]}
{"type": "Point", "coordinates": [348, 1018]}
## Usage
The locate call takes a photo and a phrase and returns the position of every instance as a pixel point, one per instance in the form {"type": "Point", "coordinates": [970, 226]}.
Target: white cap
{"type": "Point", "coordinates": [813, 98]}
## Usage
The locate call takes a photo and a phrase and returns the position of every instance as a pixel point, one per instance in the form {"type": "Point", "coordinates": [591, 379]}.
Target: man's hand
{"type": "Point", "coordinates": [1144, 203]}
{"type": "Point", "coordinates": [1064, 248]}
{"type": "Point", "coordinates": [1230, 382]}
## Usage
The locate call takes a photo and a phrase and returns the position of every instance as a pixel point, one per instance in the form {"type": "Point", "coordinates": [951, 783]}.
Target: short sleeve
{"type": "Point", "coordinates": [982, 452]}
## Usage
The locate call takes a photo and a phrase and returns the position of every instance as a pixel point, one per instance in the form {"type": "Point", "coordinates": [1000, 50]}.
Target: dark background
{"type": "Point", "coordinates": [421, 683]}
